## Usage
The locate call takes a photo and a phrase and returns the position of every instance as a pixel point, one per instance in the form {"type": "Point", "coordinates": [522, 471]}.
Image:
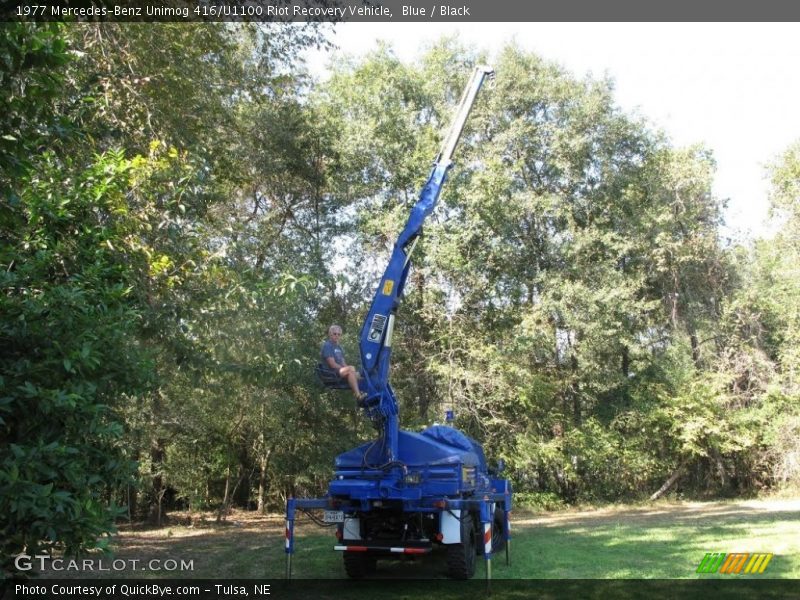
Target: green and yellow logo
{"type": "Point", "coordinates": [735, 563]}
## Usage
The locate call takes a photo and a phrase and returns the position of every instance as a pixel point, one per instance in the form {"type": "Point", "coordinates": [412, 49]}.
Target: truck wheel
{"type": "Point", "coordinates": [498, 539]}
{"type": "Point", "coordinates": [359, 564]}
{"type": "Point", "coordinates": [461, 556]}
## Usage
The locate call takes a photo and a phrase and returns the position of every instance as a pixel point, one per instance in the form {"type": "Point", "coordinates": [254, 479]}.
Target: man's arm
{"type": "Point", "coordinates": [332, 363]}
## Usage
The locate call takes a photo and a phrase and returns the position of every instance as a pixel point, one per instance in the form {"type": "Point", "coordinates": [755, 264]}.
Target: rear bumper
{"type": "Point", "coordinates": [383, 548]}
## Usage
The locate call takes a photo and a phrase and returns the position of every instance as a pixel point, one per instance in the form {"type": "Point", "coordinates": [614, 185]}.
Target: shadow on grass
{"type": "Point", "coordinates": [640, 544]}
{"type": "Point", "coordinates": [658, 543]}
{"type": "Point", "coordinates": [616, 544]}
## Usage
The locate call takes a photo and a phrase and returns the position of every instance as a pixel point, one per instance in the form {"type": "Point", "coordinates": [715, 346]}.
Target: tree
{"type": "Point", "coordinates": [231, 110]}
{"type": "Point", "coordinates": [572, 254]}
{"type": "Point", "coordinates": [111, 264]}
{"type": "Point", "coordinates": [68, 316]}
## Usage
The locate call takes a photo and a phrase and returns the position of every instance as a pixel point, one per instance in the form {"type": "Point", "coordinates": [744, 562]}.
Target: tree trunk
{"type": "Point", "coordinates": [669, 482]}
{"type": "Point", "coordinates": [674, 296]}
{"type": "Point", "coordinates": [133, 497]}
{"type": "Point", "coordinates": [262, 488]}
{"type": "Point", "coordinates": [263, 465]}
{"type": "Point", "coordinates": [157, 453]}
{"type": "Point", "coordinates": [719, 466]}
{"type": "Point", "coordinates": [574, 392]}
{"type": "Point", "coordinates": [240, 476]}
{"type": "Point", "coordinates": [695, 350]}
{"type": "Point", "coordinates": [131, 503]}
{"type": "Point", "coordinates": [224, 506]}
{"type": "Point", "coordinates": [626, 362]}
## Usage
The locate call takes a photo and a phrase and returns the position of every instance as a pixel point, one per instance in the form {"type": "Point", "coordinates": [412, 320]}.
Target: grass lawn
{"type": "Point", "coordinates": [659, 541]}
{"type": "Point", "coordinates": [664, 541]}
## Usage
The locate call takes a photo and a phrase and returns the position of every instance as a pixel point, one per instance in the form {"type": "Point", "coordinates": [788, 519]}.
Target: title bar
{"type": "Point", "coordinates": [388, 11]}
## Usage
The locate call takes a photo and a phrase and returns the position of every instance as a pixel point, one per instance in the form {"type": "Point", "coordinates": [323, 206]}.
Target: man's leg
{"type": "Point", "coordinates": [352, 379]}
{"type": "Point", "coordinates": [350, 374]}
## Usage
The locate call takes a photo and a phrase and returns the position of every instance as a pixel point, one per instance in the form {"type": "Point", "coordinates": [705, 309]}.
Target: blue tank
{"type": "Point", "coordinates": [437, 461]}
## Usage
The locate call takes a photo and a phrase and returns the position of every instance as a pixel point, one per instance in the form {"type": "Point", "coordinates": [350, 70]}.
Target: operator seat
{"type": "Point", "coordinates": [329, 379]}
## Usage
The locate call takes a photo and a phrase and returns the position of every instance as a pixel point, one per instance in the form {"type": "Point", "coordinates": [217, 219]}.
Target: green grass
{"type": "Point", "coordinates": [619, 544]}
{"type": "Point", "coordinates": [661, 542]}
{"type": "Point", "coordinates": [664, 543]}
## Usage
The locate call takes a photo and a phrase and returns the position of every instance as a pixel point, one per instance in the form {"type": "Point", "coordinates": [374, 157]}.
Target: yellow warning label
{"type": "Point", "coordinates": [388, 286]}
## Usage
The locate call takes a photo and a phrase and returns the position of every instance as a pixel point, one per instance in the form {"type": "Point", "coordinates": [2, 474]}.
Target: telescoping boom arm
{"type": "Point", "coordinates": [376, 333]}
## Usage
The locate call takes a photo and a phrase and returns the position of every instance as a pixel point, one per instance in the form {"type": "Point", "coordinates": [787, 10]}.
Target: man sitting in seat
{"type": "Point", "coordinates": [334, 365]}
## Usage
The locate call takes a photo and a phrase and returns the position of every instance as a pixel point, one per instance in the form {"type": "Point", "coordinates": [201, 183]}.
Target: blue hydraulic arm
{"type": "Point", "coordinates": [376, 333]}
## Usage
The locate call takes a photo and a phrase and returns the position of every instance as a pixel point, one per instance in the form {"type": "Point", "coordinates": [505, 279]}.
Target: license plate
{"type": "Point", "coordinates": [333, 516]}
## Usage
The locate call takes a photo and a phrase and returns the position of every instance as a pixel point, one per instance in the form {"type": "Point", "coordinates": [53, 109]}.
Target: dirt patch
{"type": "Point", "coordinates": [185, 523]}
{"type": "Point", "coordinates": [227, 549]}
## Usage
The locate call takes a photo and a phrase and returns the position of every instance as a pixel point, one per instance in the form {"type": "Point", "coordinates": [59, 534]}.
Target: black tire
{"type": "Point", "coordinates": [461, 556]}
{"type": "Point", "coordinates": [359, 564]}
{"type": "Point", "coordinates": [498, 539]}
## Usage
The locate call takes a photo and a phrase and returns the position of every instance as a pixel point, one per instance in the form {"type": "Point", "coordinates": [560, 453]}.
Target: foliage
{"type": "Point", "coordinates": [573, 301]}
{"type": "Point", "coordinates": [64, 310]}
{"type": "Point", "coordinates": [114, 279]}
{"type": "Point", "coordinates": [33, 57]}
{"type": "Point", "coordinates": [68, 352]}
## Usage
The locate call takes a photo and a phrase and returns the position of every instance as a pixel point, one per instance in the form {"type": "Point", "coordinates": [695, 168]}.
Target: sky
{"type": "Point", "coordinates": [733, 87]}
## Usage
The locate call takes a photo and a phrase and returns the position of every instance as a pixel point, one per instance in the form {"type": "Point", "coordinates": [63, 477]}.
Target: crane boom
{"type": "Point", "coordinates": [378, 328]}
{"type": "Point", "coordinates": [409, 492]}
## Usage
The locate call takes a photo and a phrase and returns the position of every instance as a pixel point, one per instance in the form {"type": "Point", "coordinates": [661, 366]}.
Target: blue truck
{"type": "Point", "coordinates": [411, 492]}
